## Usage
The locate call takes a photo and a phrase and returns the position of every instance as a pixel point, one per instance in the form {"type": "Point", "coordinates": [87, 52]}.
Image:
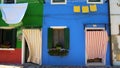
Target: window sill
{"type": "Point", "coordinates": [7, 48]}
{"type": "Point", "coordinates": [96, 63]}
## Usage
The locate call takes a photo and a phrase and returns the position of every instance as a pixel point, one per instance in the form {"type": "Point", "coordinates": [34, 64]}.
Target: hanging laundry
{"type": "Point", "coordinates": [13, 13]}
{"type": "Point", "coordinates": [96, 44]}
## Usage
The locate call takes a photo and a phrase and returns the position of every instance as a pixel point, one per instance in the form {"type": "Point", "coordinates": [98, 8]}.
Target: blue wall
{"type": "Point", "coordinates": [63, 15]}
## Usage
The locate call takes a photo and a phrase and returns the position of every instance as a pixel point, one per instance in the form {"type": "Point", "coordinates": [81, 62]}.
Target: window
{"type": "Point", "coordinates": [95, 1]}
{"type": "Point", "coordinates": [58, 41]}
{"type": "Point", "coordinates": [58, 1]}
{"type": "Point", "coordinates": [7, 38]}
{"type": "Point", "coordinates": [8, 1]}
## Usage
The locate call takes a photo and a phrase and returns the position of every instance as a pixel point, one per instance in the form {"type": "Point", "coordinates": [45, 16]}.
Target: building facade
{"type": "Point", "coordinates": [56, 32]}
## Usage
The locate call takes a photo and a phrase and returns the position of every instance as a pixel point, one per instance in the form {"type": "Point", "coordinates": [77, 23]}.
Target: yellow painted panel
{"type": "Point", "coordinates": [85, 9]}
{"type": "Point", "coordinates": [76, 8]}
{"type": "Point", "coordinates": [93, 8]}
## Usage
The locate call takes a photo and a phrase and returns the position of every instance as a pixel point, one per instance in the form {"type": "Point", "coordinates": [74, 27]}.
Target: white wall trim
{"type": "Point", "coordinates": [58, 27]}
{"type": "Point", "coordinates": [23, 49]}
{"type": "Point", "coordinates": [10, 27]}
{"type": "Point", "coordinates": [41, 48]}
{"type": "Point", "coordinates": [7, 48]}
{"type": "Point", "coordinates": [86, 28]}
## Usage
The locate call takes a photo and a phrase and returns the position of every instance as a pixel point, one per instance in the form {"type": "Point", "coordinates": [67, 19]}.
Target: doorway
{"type": "Point", "coordinates": [96, 46]}
{"type": "Point", "coordinates": [32, 46]}
{"type": "Point", "coordinates": [26, 52]}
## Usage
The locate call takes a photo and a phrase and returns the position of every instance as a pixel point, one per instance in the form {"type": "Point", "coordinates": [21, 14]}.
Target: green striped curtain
{"type": "Point", "coordinates": [50, 38]}
{"type": "Point", "coordinates": [66, 38]}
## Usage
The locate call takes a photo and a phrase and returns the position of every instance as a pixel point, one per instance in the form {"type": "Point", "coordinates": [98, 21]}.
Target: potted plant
{"type": "Point", "coordinates": [58, 46]}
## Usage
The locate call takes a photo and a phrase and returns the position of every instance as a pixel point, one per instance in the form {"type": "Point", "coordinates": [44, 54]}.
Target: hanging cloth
{"type": "Point", "coordinates": [13, 13]}
{"type": "Point", "coordinates": [96, 44]}
{"type": "Point", "coordinates": [34, 41]}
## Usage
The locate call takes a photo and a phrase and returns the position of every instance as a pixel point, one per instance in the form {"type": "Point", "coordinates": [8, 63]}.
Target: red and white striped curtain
{"type": "Point", "coordinates": [34, 41]}
{"type": "Point", "coordinates": [96, 44]}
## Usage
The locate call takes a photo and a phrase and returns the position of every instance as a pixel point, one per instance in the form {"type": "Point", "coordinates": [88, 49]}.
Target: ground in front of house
{"type": "Point", "coordinates": [31, 65]}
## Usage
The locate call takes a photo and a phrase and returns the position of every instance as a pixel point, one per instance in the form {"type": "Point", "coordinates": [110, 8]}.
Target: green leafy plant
{"type": "Point", "coordinates": [57, 52]}
{"type": "Point", "coordinates": [58, 46]}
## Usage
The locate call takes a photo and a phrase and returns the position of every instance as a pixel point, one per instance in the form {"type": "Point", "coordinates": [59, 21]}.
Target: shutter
{"type": "Point", "coordinates": [66, 38]}
{"type": "Point", "coordinates": [50, 38]}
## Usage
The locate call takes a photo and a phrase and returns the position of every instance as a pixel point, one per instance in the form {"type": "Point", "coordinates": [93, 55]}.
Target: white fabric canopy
{"type": "Point", "coordinates": [34, 41]}
{"type": "Point", "coordinates": [13, 13]}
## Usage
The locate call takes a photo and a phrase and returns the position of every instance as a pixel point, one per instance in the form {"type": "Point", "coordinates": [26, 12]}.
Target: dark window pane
{"type": "Point", "coordinates": [9, 1]}
{"type": "Point", "coordinates": [8, 39]}
{"type": "Point", "coordinates": [0, 36]}
{"type": "Point", "coordinates": [14, 33]}
{"type": "Point", "coordinates": [94, 0]}
{"type": "Point", "coordinates": [58, 0]}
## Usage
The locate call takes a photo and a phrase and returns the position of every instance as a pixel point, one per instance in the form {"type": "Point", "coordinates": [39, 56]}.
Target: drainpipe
{"type": "Point", "coordinates": [110, 38]}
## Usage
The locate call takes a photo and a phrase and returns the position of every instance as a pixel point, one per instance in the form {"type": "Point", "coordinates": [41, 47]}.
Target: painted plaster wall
{"type": "Point", "coordinates": [63, 15]}
{"type": "Point", "coordinates": [115, 30]}
{"type": "Point", "coordinates": [114, 15]}
{"type": "Point", "coordinates": [33, 18]}
{"type": "Point", "coordinates": [115, 22]}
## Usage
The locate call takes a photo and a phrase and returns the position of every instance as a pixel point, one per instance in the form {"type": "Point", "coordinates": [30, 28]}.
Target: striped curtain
{"type": "Point", "coordinates": [96, 44]}
{"type": "Point", "coordinates": [34, 41]}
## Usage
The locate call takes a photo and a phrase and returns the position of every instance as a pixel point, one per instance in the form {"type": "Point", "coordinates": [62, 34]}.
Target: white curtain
{"type": "Point", "coordinates": [34, 41]}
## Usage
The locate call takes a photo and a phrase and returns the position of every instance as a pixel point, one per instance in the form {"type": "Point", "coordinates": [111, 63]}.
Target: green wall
{"type": "Point", "coordinates": [33, 18]}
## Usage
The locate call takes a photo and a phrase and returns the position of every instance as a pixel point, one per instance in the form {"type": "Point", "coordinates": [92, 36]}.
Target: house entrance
{"type": "Point", "coordinates": [96, 46]}
{"type": "Point", "coordinates": [26, 52]}
{"type": "Point", "coordinates": [31, 45]}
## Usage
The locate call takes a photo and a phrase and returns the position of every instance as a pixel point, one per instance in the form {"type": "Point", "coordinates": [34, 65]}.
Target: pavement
{"type": "Point", "coordinates": [32, 65]}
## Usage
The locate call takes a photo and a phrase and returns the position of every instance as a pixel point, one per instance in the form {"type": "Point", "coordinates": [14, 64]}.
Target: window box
{"type": "Point", "coordinates": [95, 1]}
{"type": "Point", "coordinates": [58, 52]}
